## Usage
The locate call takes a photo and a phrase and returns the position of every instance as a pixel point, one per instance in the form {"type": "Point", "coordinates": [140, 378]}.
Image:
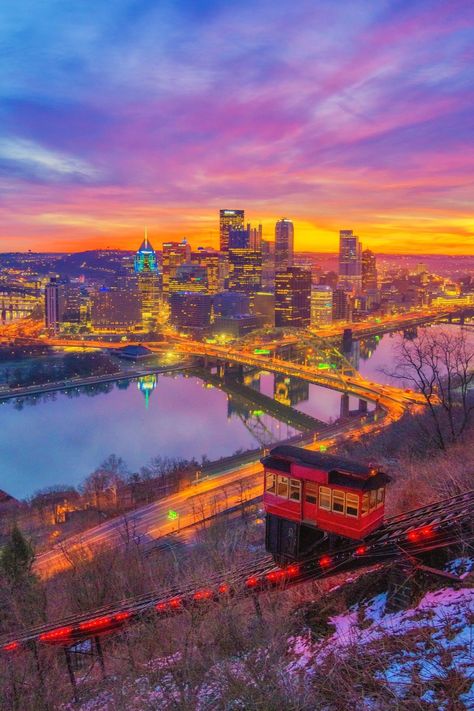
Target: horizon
{"type": "Point", "coordinates": [335, 253]}
{"type": "Point", "coordinates": [357, 116]}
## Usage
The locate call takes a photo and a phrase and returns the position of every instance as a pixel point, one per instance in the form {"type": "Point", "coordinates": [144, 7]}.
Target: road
{"type": "Point", "coordinates": [201, 500]}
{"type": "Point", "coordinates": [228, 488]}
{"type": "Point", "coordinates": [193, 504]}
{"type": "Point", "coordinates": [7, 393]}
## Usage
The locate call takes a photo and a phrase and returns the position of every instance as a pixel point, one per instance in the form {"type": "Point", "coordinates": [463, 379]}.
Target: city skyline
{"type": "Point", "coordinates": [357, 117]}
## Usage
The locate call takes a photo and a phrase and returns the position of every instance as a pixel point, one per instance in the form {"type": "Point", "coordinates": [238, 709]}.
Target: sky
{"type": "Point", "coordinates": [355, 114]}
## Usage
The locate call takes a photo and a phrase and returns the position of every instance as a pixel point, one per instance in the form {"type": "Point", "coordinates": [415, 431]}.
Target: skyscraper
{"type": "Point", "coordinates": [341, 305]}
{"type": "Point", "coordinates": [211, 260]}
{"type": "Point", "coordinates": [174, 254]}
{"type": "Point", "coordinates": [293, 297]}
{"type": "Point", "coordinates": [268, 264]}
{"type": "Point", "coordinates": [54, 303]}
{"type": "Point", "coordinates": [191, 311]}
{"type": "Point", "coordinates": [245, 261]}
{"type": "Point", "coordinates": [350, 262]}
{"type": "Point", "coordinates": [228, 220]}
{"type": "Point", "coordinates": [321, 305]}
{"type": "Point", "coordinates": [116, 308]}
{"type": "Point", "coordinates": [369, 271]}
{"type": "Point", "coordinates": [284, 249]}
{"type": "Point", "coordinates": [148, 281]}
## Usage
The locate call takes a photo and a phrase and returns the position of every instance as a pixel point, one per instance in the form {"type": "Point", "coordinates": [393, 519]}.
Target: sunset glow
{"type": "Point", "coordinates": [338, 115]}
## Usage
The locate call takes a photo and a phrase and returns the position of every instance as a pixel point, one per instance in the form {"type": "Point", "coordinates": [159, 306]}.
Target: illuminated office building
{"type": "Point", "coordinates": [55, 303]}
{"type": "Point", "coordinates": [350, 262]}
{"type": "Point", "coordinates": [148, 281]}
{"type": "Point", "coordinates": [293, 298]}
{"type": "Point", "coordinates": [212, 261]}
{"type": "Point", "coordinates": [245, 262]}
{"type": "Point", "coordinates": [264, 306]}
{"type": "Point", "coordinates": [341, 305]}
{"type": "Point", "coordinates": [231, 303]}
{"type": "Point", "coordinates": [284, 248]}
{"type": "Point", "coordinates": [245, 270]}
{"type": "Point", "coordinates": [268, 264]}
{"type": "Point", "coordinates": [255, 237]}
{"type": "Point", "coordinates": [116, 308]}
{"type": "Point", "coordinates": [173, 255]}
{"type": "Point", "coordinates": [189, 277]}
{"type": "Point", "coordinates": [369, 271]}
{"type": "Point", "coordinates": [321, 305]}
{"type": "Point", "coordinates": [229, 220]}
{"type": "Point", "coordinates": [191, 311]}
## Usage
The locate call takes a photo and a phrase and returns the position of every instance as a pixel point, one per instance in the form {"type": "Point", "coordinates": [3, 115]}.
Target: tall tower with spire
{"type": "Point", "coordinates": [148, 278]}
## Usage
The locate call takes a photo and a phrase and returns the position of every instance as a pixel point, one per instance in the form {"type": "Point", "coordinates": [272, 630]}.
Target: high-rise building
{"type": "Point", "coordinates": [284, 247]}
{"type": "Point", "coordinates": [55, 304]}
{"type": "Point", "coordinates": [264, 306]}
{"type": "Point", "coordinates": [239, 238]}
{"type": "Point", "coordinates": [293, 297]}
{"type": "Point", "coordinates": [329, 279]}
{"type": "Point", "coordinates": [231, 303]}
{"type": "Point", "coordinates": [173, 255]}
{"type": "Point", "coordinates": [245, 262]}
{"type": "Point", "coordinates": [350, 262]}
{"type": "Point", "coordinates": [255, 237]}
{"type": "Point", "coordinates": [116, 308]}
{"type": "Point", "coordinates": [211, 260]}
{"type": "Point", "coordinates": [191, 311]}
{"type": "Point", "coordinates": [148, 281]}
{"type": "Point", "coordinates": [341, 305]}
{"type": "Point", "coordinates": [189, 277]}
{"type": "Point", "coordinates": [369, 270]}
{"type": "Point", "coordinates": [321, 305]}
{"type": "Point", "coordinates": [268, 264]}
{"type": "Point", "coordinates": [229, 220]}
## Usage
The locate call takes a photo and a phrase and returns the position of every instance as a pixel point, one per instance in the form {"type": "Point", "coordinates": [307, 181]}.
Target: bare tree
{"type": "Point", "coordinates": [440, 365]}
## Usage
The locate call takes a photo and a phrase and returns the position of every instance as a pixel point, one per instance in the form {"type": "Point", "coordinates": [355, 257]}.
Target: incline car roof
{"type": "Point", "coordinates": [324, 462]}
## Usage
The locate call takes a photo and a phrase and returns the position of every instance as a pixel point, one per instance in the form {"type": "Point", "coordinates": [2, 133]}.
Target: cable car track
{"type": "Point", "coordinates": [415, 532]}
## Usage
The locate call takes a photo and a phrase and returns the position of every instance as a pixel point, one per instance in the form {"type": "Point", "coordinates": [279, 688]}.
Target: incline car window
{"type": "Point", "coordinates": [295, 490]}
{"type": "Point", "coordinates": [338, 501]}
{"type": "Point", "coordinates": [352, 505]}
{"type": "Point", "coordinates": [311, 493]}
{"type": "Point", "coordinates": [270, 482]}
{"type": "Point", "coordinates": [380, 496]}
{"type": "Point", "coordinates": [324, 498]}
{"type": "Point", "coordinates": [282, 486]}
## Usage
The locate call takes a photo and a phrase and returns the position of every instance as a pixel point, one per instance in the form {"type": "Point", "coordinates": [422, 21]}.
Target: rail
{"type": "Point", "coordinates": [436, 525]}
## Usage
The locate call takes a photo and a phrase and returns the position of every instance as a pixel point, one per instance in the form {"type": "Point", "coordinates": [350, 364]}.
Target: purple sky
{"type": "Point", "coordinates": [116, 114]}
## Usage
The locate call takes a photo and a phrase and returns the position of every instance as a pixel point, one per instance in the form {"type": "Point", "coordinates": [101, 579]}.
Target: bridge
{"type": "Point", "coordinates": [391, 398]}
{"type": "Point", "coordinates": [341, 377]}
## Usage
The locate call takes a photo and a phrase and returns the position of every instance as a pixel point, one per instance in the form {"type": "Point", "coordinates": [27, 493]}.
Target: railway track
{"type": "Point", "coordinates": [436, 525]}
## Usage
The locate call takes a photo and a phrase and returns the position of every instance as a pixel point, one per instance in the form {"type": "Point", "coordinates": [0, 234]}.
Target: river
{"type": "Point", "coordinates": [61, 438]}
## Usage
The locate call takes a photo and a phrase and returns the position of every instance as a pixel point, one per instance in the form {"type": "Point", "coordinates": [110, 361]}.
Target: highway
{"type": "Point", "coordinates": [202, 499]}
{"type": "Point", "coordinates": [229, 488]}
{"type": "Point", "coordinates": [195, 503]}
{"type": "Point", "coordinates": [7, 393]}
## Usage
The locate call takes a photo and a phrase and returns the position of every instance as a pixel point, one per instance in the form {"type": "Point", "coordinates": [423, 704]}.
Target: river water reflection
{"type": "Point", "coordinates": [60, 440]}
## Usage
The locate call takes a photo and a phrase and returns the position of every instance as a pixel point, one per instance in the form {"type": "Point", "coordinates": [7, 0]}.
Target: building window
{"type": "Point", "coordinates": [365, 505]}
{"type": "Point", "coordinates": [373, 499]}
{"type": "Point", "coordinates": [324, 498]}
{"type": "Point", "coordinates": [352, 505]}
{"type": "Point", "coordinates": [338, 501]}
{"type": "Point", "coordinates": [282, 486]}
{"type": "Point", "coordinates": [295, 490]}
{"type": "Point", "coordinates": [311, 493]}
{"type": "Point", "coordinates": [270, 482]}
{"type": "Point", "coordinates": [380, 496]}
